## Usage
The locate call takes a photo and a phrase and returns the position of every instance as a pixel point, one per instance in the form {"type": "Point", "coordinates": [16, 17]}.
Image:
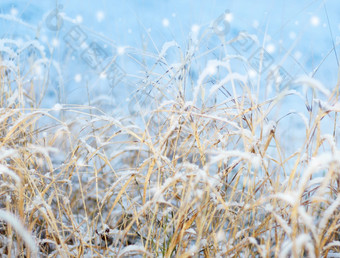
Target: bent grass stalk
{"type": "Point", "coordinates": [209, 177]}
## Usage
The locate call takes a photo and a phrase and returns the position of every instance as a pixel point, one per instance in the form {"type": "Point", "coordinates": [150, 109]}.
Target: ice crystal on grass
{"type": "Point", "coordinates": [198, 163]}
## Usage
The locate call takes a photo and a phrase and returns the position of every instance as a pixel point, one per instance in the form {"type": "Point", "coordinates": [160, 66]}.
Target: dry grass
{"type": "Point", "coordinates": [201, 178]}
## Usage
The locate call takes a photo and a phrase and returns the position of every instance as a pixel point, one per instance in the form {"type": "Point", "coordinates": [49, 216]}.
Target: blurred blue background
{"type": "Point", "coordinates": [308, 30]}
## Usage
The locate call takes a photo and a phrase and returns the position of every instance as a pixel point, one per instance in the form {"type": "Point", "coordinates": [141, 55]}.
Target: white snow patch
{"type": "Point", "coordinates": [228, 17]}
{"type": "Point", "coordinates": [100, 16]}
{"type": "Point", "coordinates": [79, 19]}
{"type": "Point", "coordinates": [165, 22]}
{"type": "Point", "coordinates": [195, 28]}
{"type": "Point", "coordinates": [14, 12]}
{"type": "Point", "coordinates": [121, 50]}
{"type": "Point", "coordinates": [314, 21]}
{"type": "Point", "coordinates": [78, 77]}
{"type": "Point", "coordinates": [271, 48]}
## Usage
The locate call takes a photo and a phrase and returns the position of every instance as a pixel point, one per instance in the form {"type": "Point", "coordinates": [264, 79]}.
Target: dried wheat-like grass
{"type": "Point", "coordinates": [194, 178]}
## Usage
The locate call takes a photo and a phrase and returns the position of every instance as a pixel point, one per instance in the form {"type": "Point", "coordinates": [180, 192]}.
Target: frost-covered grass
{"type": "Point", "coordinates": [200, 167]}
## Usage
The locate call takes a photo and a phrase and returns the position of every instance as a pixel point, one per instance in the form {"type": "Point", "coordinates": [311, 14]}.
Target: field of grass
{"type": "Point", "coordinates": [207, 173]}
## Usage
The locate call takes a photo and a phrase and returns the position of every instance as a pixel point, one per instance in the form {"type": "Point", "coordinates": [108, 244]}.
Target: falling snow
{"type": "Point", "coordinates": [165, 22]}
